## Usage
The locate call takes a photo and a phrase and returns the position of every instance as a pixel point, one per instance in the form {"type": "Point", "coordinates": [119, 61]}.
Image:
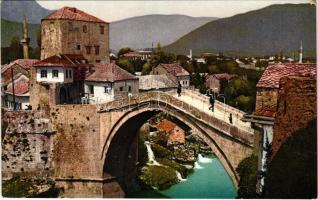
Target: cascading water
{"type": "Point", "coordinates": [151, 156]}
{"type": "Point", "coordinates": [180, 177]}
{"type": "Point", "coordinates": [202, 159]}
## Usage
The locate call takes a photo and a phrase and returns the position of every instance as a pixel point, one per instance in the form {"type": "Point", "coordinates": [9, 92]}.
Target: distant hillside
{"type": "Point", "coordinates": [266, 31]}
{"type": "Point", "coordinates": [14, 11]}
{"type": "Point", "coordinates": [140, 32]}
{"type": "Point", "coordinates": [11, 29]}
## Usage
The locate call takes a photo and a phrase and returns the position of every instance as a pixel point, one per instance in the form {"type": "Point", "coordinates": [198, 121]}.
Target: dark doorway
{"type": "Point", "coordinates": [63, 97]}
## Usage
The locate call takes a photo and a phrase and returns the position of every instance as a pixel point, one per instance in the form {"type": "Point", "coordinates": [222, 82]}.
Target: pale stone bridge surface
{"type": "Point", "coordinates": [95, 146]}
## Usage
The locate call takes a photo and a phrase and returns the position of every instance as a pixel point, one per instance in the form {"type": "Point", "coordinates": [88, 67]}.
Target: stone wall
{"type": "Point", "coordinates": [27, 145]}
{"type": "Point", "coordinates": [266, 101]}
{"type": "Point", "coordinates": [39, 94]}
{"type": "Point", "coordinates": [67, 37]}
{"type": "Point", "coordinates": [297, 105]}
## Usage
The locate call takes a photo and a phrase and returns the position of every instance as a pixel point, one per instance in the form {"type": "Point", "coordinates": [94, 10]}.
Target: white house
{"type": "Point", "coordinates": [20, 92]}
{"type": "Point", "coordinates": [108, 82]}
{"type": "Point", "coordinates": [173, 71]}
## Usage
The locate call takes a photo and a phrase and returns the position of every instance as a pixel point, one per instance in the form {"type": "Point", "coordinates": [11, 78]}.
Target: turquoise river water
{"type": "Point", "coordinates": [208, 180]}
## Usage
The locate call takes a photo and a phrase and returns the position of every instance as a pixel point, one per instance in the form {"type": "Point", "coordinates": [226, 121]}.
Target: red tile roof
{"type": "Point", "coordinates": [175, 69]}
{"type": "Point", "coordinates": [132, 54]}
{"type": "Point", "coordinates": [24, 63]}
{"type": "Point", "coordinates": [20, 87]}
{"type": "Point", "coordinates": [166, 125]}
{"type": "Point", "coordinates": [62, 60]}
{"type": "Point", "coordinates": [70, 13]}
{"type": "Point", "coordinates": [109, 73]}
{"type": "Point", "coordinates": [224, 76]}
{"type": "Point", "coordinates": [273, 73]}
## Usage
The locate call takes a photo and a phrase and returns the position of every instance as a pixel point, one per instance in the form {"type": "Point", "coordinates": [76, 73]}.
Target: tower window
{"type": "Point", "coordinates": [70, 26]}
{"type": "Point", "coordinates": [129, 89]}
{"type": "Point", "coordinates": [96, 50]}
{"type": "Point", "coordinates": [88, 49]}
{"type": "Point", "coordinates": [84, 29]}
{"type": "Point", "coordinates": [101, 30]}
{"type": "Point", "coordinates": [78, 47]}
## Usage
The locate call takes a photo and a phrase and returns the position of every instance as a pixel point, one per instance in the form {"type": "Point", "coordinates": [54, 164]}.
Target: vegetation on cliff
{"type": "Point", "coordinates": [292, 173]}
{"type": "Point", "coordinates": [247, 170]}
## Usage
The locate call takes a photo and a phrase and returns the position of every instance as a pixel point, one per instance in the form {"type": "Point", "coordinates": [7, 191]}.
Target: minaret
{"type": "Point", "coordinates": [25, 40]}
{"type": "Point", "coordinates": [301, 52]}
{"type": "Point", "coordinates": [190, 55]}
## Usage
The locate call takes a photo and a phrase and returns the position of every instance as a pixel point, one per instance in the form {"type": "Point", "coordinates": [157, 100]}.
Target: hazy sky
{"type": "Point", "coordinates": [117, 10]}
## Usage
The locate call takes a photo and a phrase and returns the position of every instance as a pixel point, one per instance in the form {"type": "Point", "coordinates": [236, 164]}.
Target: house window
{"type": "Point", "coordinates": [91, 89]}
{"type": "Point", "coordinates": [84, 29]}
{"type": "Point", "coordinates": [66, 73]}
{"type": "Point", "coordinates": [70, 26]}
{"type": "Point", "coordinates": [129, 89]}
{"type": "Point", "coordinates": [96, 50]}
{"type": "Point", "coordinates": [101, 30]}
{"type": "Point", "coordinates": [70, 71]}
{"type": "Point", "coordinates": [121, 89]}
{"type": "Point", "coordinates": [78, 47]}
{"type": "Point", "coordinates": [55, 73]}
{"type": "Point", "coordinates": [88, 49]}
{"type": "Point", "coordinates": [43, 74]}
{"type": "Point", "coordinates": [97, 61]}
{"type": "Point", "coordinates": [107, 89]}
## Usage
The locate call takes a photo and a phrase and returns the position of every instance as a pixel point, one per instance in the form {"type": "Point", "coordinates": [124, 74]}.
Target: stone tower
{"type": "Point", "coordinates": [25, 40]}
{"type": "Point", "coordinates": [72, 31]}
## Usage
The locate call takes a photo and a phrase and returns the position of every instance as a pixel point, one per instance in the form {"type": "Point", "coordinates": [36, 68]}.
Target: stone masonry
{"type": "Point", "coordinates": [297, 105]}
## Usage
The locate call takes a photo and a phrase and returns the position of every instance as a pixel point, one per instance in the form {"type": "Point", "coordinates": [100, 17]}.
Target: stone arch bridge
{"type": "Point", "coordinates": [95, 146]}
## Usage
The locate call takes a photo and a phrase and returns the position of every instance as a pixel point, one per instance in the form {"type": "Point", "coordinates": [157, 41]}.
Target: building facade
{"type": "Point", "coordinates": [72, 31]}
{"type": "Point", "coordinates": [107, 82]}
{"type": "Point", "coordinates": [174, 72]}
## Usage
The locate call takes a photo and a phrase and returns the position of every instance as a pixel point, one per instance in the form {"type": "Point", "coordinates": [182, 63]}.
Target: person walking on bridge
{"type": "Point", "coordinates": [212, 103]}
{"type": "Point", "coordinates": [179, 89]}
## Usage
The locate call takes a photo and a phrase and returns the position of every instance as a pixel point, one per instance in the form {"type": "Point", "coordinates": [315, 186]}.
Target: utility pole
{"type": "Point", "coordinates": [13, 93]}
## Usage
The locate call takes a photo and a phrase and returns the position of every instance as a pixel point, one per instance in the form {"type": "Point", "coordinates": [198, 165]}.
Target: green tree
{"type": "Point", "coordinates": [126, 65]}
{"type": "Point", "coordinates": [161, 56]}
{"type": "Point", "coordinates": [247, 170]}
{"type": "Point", "coordinates": [13, 52]}
{"type": "Point", "coordinates": [124, 50]}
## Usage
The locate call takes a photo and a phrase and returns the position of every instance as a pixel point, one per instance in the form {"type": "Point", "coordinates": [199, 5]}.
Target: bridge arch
{"type": "Point", "coordinates": [117, 150]}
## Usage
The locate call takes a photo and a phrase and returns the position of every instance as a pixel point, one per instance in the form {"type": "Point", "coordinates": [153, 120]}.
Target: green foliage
{"type": "Point", "coordinates": [122, 51]}
{"type": "Point", "coordinates": [180, 168]}
{"type": "Point", "coordinates": [16, 188]}
{"type": "Point", "coordinates": [160, 151]}
{"type": "Point", "coordinates": [13, 52]}
{"type": "Point", "coordinates": [160, 177]}
{"type": "Point", "coordinates": [161, 56]}
{"type": "Point", "coordinates": [126, 65]}
{"type": "Point", "coordinates": [247, 170]}
{"type": "Point", "coordinates": [245, 103]}
{"type": "Point", "coordinates": [292, 173]}
{"type": "Point", "coordinates": [159, 138]}
{"type": "Point", "coordinates": [146, 68]}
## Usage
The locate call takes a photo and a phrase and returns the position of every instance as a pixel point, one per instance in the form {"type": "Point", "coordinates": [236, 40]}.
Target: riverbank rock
{"type": "Point", "coordinates": [160, 177]}
{"type": "Point", "coordinates": [18, 187]}
{"type": "Point", "coordinates": [183, 170]}
{"type": "Point", "coordinates": [184, 155]}
{"type": "Point", "coordinates": [161, 152]}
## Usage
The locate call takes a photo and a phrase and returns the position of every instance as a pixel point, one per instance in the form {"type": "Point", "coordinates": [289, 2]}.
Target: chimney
{"type": "Point", "coordinates": [25, 40]}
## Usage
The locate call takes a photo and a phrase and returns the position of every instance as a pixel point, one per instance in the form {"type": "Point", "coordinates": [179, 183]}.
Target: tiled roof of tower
{"type": "Point", "coordinates": [24, 63]}
{"type": "Point", "coordinates": [62, 60]}
{"type": "Point", "coordinates": [175, 69]}
{"type": "Point", "coordinates": [71, 13]}
{"type": "Point", "coordinates": [273, 73]}
{"type": "Point", "coordinates": [109, 73]}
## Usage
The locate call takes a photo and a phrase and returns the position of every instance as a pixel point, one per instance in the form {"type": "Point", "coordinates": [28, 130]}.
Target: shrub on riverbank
{"type": "Point", "coordinates": [160, 151]}
{"type": "Point", "coordinates": [180, 168]}
{"type": "Point", "coordinates": [160, 177]}
{"type": "Point", "coordinates": [247, 170]}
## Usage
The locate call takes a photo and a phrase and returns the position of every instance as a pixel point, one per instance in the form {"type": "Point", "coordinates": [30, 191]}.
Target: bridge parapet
{"type": "Point", "coordinates": [164, 99]}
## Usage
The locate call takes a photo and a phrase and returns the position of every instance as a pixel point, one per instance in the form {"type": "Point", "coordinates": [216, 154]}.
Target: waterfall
{"type": "Point", "coordinates": [197, 166]}
{"type": "Point", "coordinates": [202, 159]}
{"type": "Point", "coordinates": [151, 156]}
{"type": "Point", "coordinates": [179, 176]}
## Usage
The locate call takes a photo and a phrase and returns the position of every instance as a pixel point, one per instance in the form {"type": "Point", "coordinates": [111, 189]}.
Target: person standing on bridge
{"type": "Point", "coordinates": [179, 89]}
{"type": "Point", "coordinates": [230, 118]}
{"type": "Point", "coordinates": [212, 103]}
